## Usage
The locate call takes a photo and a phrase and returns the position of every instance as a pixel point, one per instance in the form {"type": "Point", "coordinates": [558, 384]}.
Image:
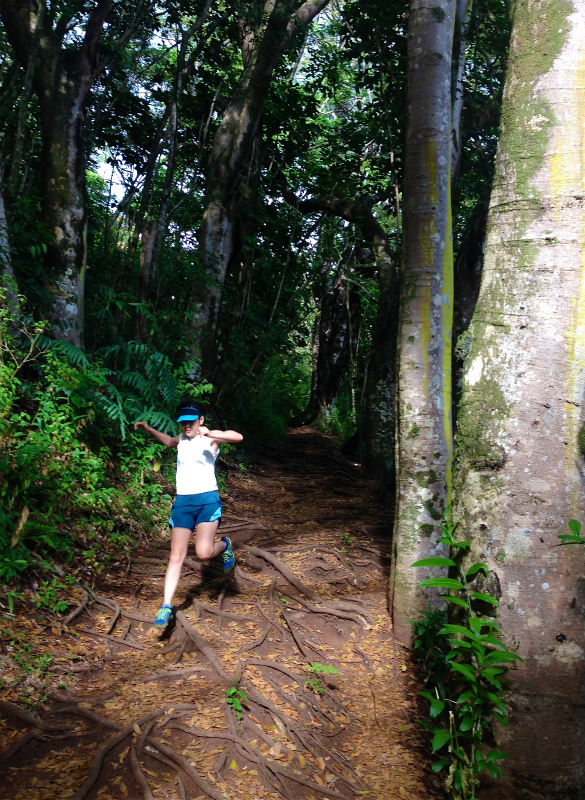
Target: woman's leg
{"type": "Point", "coordinates": [179, 544]}
{"type": "Point", "coordinates": [205, 545]}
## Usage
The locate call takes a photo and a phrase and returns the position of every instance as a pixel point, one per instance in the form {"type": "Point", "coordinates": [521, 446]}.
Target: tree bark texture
{"type": "Point", "coordinates": [262, 45]}
{"type": "Point", "coordinates": [426, 313]}
{"type": "Point", "coordinates": [62, 79]}
{"type": "Point", "coordinates": [520, 459]}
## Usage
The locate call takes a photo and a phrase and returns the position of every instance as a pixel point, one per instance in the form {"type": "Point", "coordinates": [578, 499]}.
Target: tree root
{"type": "Point", "coordinates": [222, 614]}
{"type": "Point", "coordinates": [139, 776]}
{"type": "Point", "coordinates": [338, 609]}
{"type": "Point", "coordinates": [182, 762]}
{"type": "Point", "coordinates": [67, 697]}
{"type": "Point", "coordinates": [239, 573]}
{"type": "Point", "coordinates": [283, 569]}
{"type": "Point", "coordinates": [32, 720]}
{"type": "Point", "coordinates": [257, 642]}
{"type": "Point", "coordinates": [220, 600]}
{"type": "Point", "coordinates": [128, 730]}
{"type": "Point", "coordinates": [202, 646]}
{"type": "Point", "coordinates": [179, 673]}
{"type": "Point", "coordinates": [93, 716]}
{"type": "Point", "coordinates": [19, 744]}
{"type": "Point", "coordinates": [114, 639]}
{"type": "Point", "coordinates": [77, 611]}
{"type": "Point", "coordinates": [298, 642]}
{"type": "Point", "coordinates": [272, 620]}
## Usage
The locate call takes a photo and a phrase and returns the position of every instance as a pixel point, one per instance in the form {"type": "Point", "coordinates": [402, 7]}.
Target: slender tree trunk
{"type": "Point", "coordinates": [334, 347]}
{"type": "Point", "coordinates": [378, 425]}
{"type": "Point", "coordinates": [424, 379]}
{"type": "Point", "coordinates": [7, 278]}
{"type": "Point", "coordinates": [153, 230]}
{"type": "Point", "coordinates": [520, 452]}
{"type": "Point", "coordinates": [461, 30]}
{"type": "Point", "coordinates": [262, 45]}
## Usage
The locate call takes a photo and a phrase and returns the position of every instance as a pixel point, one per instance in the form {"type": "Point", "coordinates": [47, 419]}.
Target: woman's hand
{"type": "Point", "coordinates": [143, 425]}
{"type": "Point", "coordinates": [203, 431]}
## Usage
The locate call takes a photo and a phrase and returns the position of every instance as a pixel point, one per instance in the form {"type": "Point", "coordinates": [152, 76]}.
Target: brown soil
{"type": "Point", "coordinates": [139, 715]}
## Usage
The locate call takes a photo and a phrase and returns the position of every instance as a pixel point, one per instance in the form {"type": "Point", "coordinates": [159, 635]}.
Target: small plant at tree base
{"type": "Point", "coordinates": [47, 597]}
{"type": "Point", "coordinates": [345, 538]}
{"type": "Point", "coordinates": [234, 698]}
{"type": "Point", "coordinates": [472, 656]}
{"type": "Point", "coordinates": [314, 684]}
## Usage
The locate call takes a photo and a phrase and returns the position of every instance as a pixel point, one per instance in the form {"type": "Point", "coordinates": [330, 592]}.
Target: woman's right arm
{"type": "Point", "coordinates": [163, 438]}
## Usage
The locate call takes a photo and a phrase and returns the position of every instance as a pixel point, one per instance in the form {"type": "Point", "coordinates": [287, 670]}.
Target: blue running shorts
{"type": "Point", "coordinates": [189, 510]}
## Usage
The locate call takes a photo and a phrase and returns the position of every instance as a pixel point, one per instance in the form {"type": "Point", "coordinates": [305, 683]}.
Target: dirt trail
{"type": "Point", "coordinates": [134, 715]}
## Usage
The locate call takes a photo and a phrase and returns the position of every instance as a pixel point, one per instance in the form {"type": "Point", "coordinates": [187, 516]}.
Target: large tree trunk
{"type": "Point", "coordinates": [424, 377]}
{"type": "Point", "coordinates": [62, 79]}
{"type": "Point", "coordinates": [520, 457]}
{"type": "Point", "coordinates": [262, 44]}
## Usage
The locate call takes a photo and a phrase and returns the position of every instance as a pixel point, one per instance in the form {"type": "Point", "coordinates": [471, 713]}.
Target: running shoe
{"type": "Point", "coordinates": [163, 617]}
{"type": "Point", "coordinates": [228, 555]}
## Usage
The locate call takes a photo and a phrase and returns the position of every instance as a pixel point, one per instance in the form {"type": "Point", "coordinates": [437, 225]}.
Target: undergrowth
{"type": "Point", "coordinates": [78, 487]}
{"type": "Point", "coordinates": [463, 660]}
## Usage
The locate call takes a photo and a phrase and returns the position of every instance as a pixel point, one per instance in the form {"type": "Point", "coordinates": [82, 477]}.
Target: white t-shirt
{"type": "Point", "coordinates": [196, 465]}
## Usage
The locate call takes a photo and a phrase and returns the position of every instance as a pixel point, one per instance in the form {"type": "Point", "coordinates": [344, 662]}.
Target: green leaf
{"type": "Point", "coordinates": [487, 598]}
{"type": "Point", "coordinates": [491, 671]}
{"type": "Point", "coordinates": [476, 568]}
{"type": "Point", "coordinates": [501, 657]}
{"type": "Point", "coordinates": [475, 624]}
{"type": "Point", "coordinates": [440, 739]}
{"type": "Point", "coordinates": [455, 600]}
{"type": "Point", "coordinates": [460, 629]}
{"type": "Point", "coordinates": [466, 671]}
{"type": "Point", "coordinates": [442, 583]}
{"type": "Point", "coordinates": [497, 702]}
{"type": "Point", "coordinates": [466, 724]}
{"type": "Point", "coordinates": [462, 545]}
{"type": "Point", "coordinates": [437, 707]}
{"type": "Point", "coordinates": [438, 765]}
{"type": "Point", "coordinates": [575, 526]}
{"type": "Point", "coordinates": [436, 561]}
{"type": "Point", "coordinates": [495, 755]}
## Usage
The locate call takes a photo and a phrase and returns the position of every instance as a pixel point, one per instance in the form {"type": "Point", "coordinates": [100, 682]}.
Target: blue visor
{"type": "Point", "coordinates": [189, 414]}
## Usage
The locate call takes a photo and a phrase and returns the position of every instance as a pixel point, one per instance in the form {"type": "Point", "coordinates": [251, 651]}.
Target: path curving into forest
{"type": "Point", "coordinates": [134, 715]}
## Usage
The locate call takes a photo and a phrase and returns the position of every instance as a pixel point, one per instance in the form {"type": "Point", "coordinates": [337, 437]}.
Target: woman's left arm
{"type": "Point", "coordinates": [232, 437]}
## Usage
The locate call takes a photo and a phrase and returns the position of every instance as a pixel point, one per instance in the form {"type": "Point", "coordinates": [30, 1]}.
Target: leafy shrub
{"type": "Point", "coordinates": [464, 663]}
{"type": "Point", "coordinates": [66, 439]}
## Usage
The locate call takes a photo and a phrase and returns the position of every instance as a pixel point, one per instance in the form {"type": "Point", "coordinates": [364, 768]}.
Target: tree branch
{"type": "Point", "coordinates": [302, 18]}
{"type": "Point", "coordinates": [355, 211]}
{"type": "Point", "coordinates": [93, 33]}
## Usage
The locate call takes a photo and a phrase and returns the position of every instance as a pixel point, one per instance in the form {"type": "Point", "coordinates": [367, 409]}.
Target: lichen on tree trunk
{"type": "Point", "coordinates": [424, 376]}
{"type": "Point", "coordinates": [519, 472]}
